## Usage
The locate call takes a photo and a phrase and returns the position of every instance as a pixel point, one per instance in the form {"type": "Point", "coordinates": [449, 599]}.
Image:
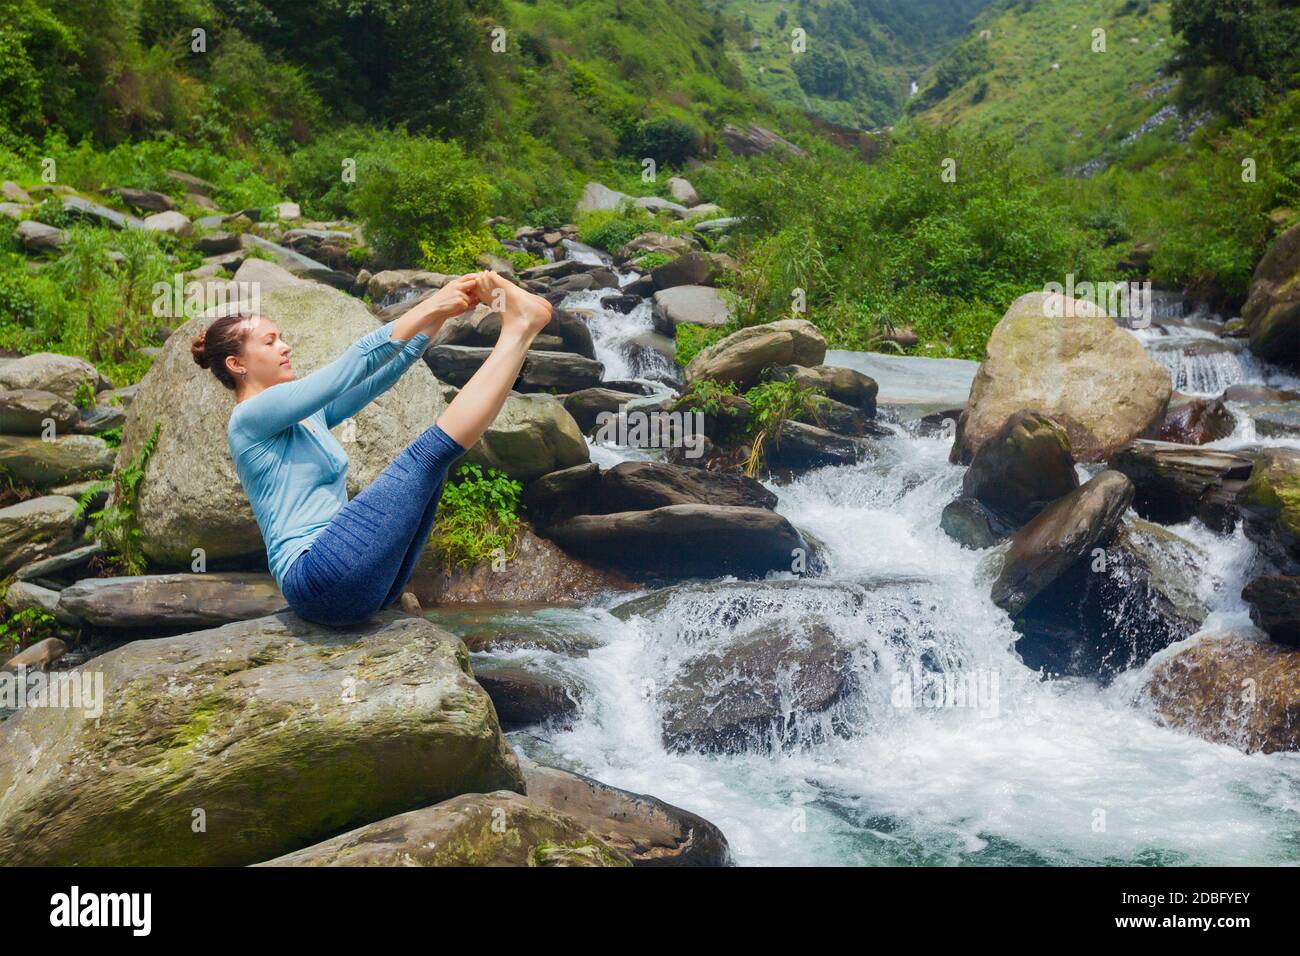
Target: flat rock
{"type": "Point", "coordinates": [34, 461]}
{"type": "Point", "coordinates": [172, 601]}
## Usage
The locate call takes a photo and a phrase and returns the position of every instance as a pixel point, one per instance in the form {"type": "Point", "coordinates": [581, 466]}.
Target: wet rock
{"type": "Point", "coordinates": [684, 540]}
{"type": "Point", "coordinates": [841, 419]}
{"type": "Point", "coordinates": [972, 525]}
{"type": "Point", "coordinates": [1269, 502]}
{"type": "Point", "coordinates": [561, 488]}
{"type": "Point", "coordinates": [1089, 375]}
{"type": "Point", "coordinates": [525, 697]}
{"type": "Point", "coordinates": [799, 446]}
{"type": "Point", "coordinates": [642, 485]}
{"type": "Point", "coordinates": [742, 356]}
{"type": "Point", "coordinates": [1022, 468]}
{"type": "Point", "coordinates": [505, 638]}
{"type": "Point", "coordinates": [841, 384]}
{"type": "Point", "coordinates": [589, 404]}
{"type": "Point", "coordinates": [1197, 421]}
{"type": "Point", "coordinates": [1062, 534]}
{"type": "Point", "coordinates": [764, 690]}
{"type": "Point", "coordinates": [645, 829]}
{"type": "Point", "coordinates": [1250, 394]}
{"type": "Point", "coordinates": [172, 601]}
{"type": "Point", "coordinates": [1276, 421]}
{"type": "Point", "coordinates": [1275, 607]}
{"type": "Point", "coordinates": [31, 460]}
{"type": "Point", "coordinates": [620, 303]}
{"type": "Point", "coordinates": [475, 829]}
{"type": "Point", "coordinates": [282, 732]}
{"type": "Point", "coordinates": [1272, 310]}
{"type": "Point", "coordinates": [1111, 611]}
{"type": "Point", "coordinates": [1203, 689]}
{"type": "Point", "coordinates": [26, 411]}
{"type": "Point", "coordinates": [1174, 483]}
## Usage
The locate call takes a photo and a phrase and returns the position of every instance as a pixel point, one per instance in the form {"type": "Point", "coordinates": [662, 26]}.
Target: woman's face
{"type": "Point", "coordinates": [265, 356]}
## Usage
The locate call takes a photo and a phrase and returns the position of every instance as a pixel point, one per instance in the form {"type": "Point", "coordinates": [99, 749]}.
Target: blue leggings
{"type": "Point", "coordinates": [361, 561]}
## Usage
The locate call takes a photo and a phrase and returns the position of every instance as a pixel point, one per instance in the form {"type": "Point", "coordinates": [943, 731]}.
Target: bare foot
{"type": "Point", "coordinates": [521, 311]}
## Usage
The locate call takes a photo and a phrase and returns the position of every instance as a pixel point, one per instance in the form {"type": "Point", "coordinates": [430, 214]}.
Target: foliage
{"type": "Point", "coordinates": [478, 518]}
{"type": "Point", "coordinates": [693, 339]}
{"type": "Point", "coordinates": [612, 229]}
{"type": "Point", "coordinates": [116, 525]}
{"type": "Point", "coordinates": [774, 403]}
{"type": "Point", "coordinates": [705, 395]}
{"type": "Point", "coordinates": [20, 629]}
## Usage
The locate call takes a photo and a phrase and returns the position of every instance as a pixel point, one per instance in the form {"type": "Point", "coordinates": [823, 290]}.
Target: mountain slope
{"type": "Point", "coordinates": [1029, 71]}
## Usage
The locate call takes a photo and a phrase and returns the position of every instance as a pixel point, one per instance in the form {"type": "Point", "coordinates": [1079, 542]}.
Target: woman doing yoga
{"type": "Point", "coordinates": [338, 561]}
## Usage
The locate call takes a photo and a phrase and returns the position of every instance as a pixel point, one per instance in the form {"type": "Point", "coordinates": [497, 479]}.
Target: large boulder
{"type": "Point", "coordinates": [531, 436]}
{"type": "Point", "coordinates": [524, 697]}
{"type": "Point", "coordinates": [172, 601]}
{"type": "Point", "coordinates": [26, 411]}
{"type": "Point", "coordinates": [694, 268]}
{"type": "Point", "coordinates": [641, 485]}
{"type": "Point", "coordinates": [766, 689]}
{"type": "Point", "coordinates": [845, 385]}
{"type": "Point", "coordinates": [684, 540]}
{"type": "Point", "coordinates": [1116, 607]}
{"type": "Point", "coordinates": [1062, 534]}
{"type": "Point", "coordinates": [1272, 310]}
{"type": "Point", "coordinates": [1022, 468]}
{"type": "Point", "coordinates": [34, 529]}
{"type": "Point", "coordinates": [38, 237]}
{"type": "Point", "coordinates": [237, 744]}
{"type": "Point", "coordinates": [1232, 689]}
{"type": "Point", "coordinates": [475, 829]}
{"type": "Point", "coordinates": [1197, 421]}
{"type": "Point", "coordinates": [543, 371]}
{"type": "Point", "coordinates": [646, 830]}
{"type": "Point", "coordinates": [755, 140]}
{"type": "Point", "coordinates": [1274, 601]}
{"type": "Point", "coordinates": [741, 357]}
{"type": "Point", "coordinates": [1173, 483]}
{"type": "Point", "coordinates": [1269, 502]}
{"type": "Point", "coordinates": [1065, 359]}
{"type": "Point", "coordinates": [63, 375]}
{"type": "Point", "coordinates": [682, 191]}
{"type": "Point", "coordinates": [31, 460]}
{"type": "Point", "coordinates": [172, 223]}
{"type": "Point", "coordinates": [598, 198]}
{"type": "Point", "coordinates": [190, 496]}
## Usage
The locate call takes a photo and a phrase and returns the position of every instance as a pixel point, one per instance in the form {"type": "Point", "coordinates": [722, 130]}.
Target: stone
{"type": "Point", "coordinates": [146, 200]}
{"type": "Point", "coordinates": [742, 357]}
{"type": "Point", "coordinates": [172, 601]}
{"type": "Point", "coordinates": [538, 573]}
{"type": "Point", "coordinates": [191, 182]}
{"type": "Point", "coordinates": [14, 193]}
{"type": "Point", "coordinates": [1200, 690]}
{"type": "Point", "coordinates": [1275, 606]}
{"type": "Point", "coordinates": [646, 830]}
{"type": "Point", "coordinates": [523, 697]}
{"type": "Point", "coordinates": [542, 370]}
{"type": "Point", "coordinates": [1197, 421]}
{"type": "Point", "coordinates": [190, 496]}
{"type": "Point", "coordinates": [531, 436]}
{"type": "Point", "coordinates": [657, 242]}
{"type": "Point", "coordinates": [694, 268]}
{"type": "Point", "coordinates": [38, 237]}
{"type": "Point", "coordinates": [755, 140]}
{"type": "Point", "coordinates": [287, 210]}
{"type": "Point", "coordinates": [39, 656]}
{"type": "Point", "coordinates": [596, 198]}
{"type": "Point", "coordinates": [768, 689]}
{"type": "Point", "coordinates": [383, 284]}
{"type": "Point", "coordinates": [1089, 375]}
{"type": "Point", "coordinates": [26, 411]}
{"type": "Point", "coordinates": [588, 404]}
{"type": "Point", "coordinates": [24, 595]}
{"type": "Point", "coordinates": [172, 223]}
{"type": "Point", "coordinates": [98, 214]}
{"type": "Point", "coordinates": [684, 540]}
{"type": "Point", "coordinates": [655, 205]}
{"type": "Point", "coordinates": [31, 460]}
{"type": "Point", "coordinates": [842, 384]}
{"type": "Point", "coordinates": [1022, 468]}
{"type": "Point", "coordinates": [99, 418]}
{"type": "Point", "coordinates": [283, 732]}
{"type": "Point", "coordinates": [1269, 502]}
{"type": "Point", "coordinates": [689, 305]}
{"type": "Point", "coordinates": [218, 243]}
{"type": "Point", "coordinates": [682, 191]}
{"type": "Point", "coordinates": [1174, 483]}
{"type": "Point", "coordinates": [799, 446]}
{"type": "Point", "coordinates": [474, 829]}
{"type": "Point", "coordinates": [1272, 309]}
{"type": "Point", "coordinates": [643, 485]}
{"type": "Point", "coordinates": [1061, 534]}
{"type": "Point", "coordinates": [13, 210]}
{"type": "Point", "coordinates": [972, 525]}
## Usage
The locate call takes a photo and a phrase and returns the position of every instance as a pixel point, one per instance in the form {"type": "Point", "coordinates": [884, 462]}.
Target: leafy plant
{"type": "Point", "coordinates": [705, 395]}
{"type": "Point", "coordinates": [20, 629]}
{"type": "Point", "coordinates": [478, 518]}
{"type": "Point", "coordinates": [693, 339]}
{"type": "Point", "coordinates": [774, 403]}
{"type": "Point", "coordinates": [116, 525]}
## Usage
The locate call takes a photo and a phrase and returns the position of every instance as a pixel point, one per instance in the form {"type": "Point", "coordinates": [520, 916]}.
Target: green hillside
{"type": "Point", "coordinates": [1040, 74]}
{"type": "Point", "coordinates": [861, 57]}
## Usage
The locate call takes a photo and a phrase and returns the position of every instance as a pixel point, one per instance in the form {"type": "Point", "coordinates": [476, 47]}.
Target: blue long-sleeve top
{"type": "Point", "coordinates": [296, 477]}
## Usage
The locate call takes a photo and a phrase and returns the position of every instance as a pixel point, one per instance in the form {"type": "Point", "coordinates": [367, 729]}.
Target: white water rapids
{"type": "Point", "coordinates": [1029, 772]}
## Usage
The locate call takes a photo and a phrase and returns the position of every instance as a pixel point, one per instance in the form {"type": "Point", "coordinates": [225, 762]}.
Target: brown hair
{"type": "Point", "coordinates": [220, 340]}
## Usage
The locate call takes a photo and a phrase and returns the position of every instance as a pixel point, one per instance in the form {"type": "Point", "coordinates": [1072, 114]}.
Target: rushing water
{"type": "Point", "coordinates": [1024, 772]}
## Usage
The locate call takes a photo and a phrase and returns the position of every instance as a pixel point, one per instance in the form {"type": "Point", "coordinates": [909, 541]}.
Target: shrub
{"type": "Point", "coordinates": [611, 230]}
{"type": "Point", "coordinates": [478, 518]}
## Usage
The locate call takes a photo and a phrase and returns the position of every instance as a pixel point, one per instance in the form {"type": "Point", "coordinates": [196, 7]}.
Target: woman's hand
{"type": "Point", "coordinates": [459, 295]}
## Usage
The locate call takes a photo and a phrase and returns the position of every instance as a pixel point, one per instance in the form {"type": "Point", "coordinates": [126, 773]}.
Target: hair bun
{"type": "Point", "coordinates": [199, 349]}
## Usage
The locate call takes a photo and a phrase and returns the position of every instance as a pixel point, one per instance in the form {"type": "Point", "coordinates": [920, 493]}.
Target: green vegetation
{"type": "Point", "coordinates": [21, 629]}
{"type": "Point", "coordinates": [705, 395]}
{"type": "Point", "coordinates": [774, 404]}
{"type": "Point", "coordinates": [115, 525]}
{"type": "Point", "coordinates": [478, 518]}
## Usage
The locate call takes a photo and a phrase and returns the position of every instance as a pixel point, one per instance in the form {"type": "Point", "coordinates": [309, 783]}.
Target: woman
{"type": "Point", "coordinates": [338, 561]}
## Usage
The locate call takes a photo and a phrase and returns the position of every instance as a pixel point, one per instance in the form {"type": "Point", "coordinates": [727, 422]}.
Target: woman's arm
{"type": "Point", "coordinates": [361, 395]}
